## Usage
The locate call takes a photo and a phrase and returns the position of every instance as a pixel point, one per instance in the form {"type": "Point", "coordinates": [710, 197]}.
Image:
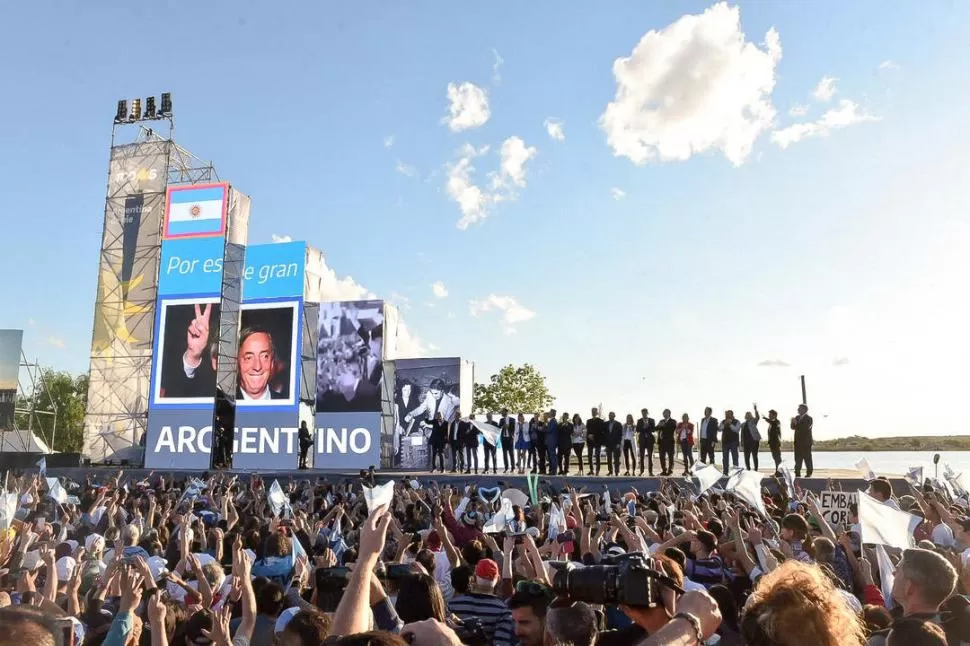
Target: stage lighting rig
{"type": "Point", "coordinates": [135, 110]}
{"type": "Point", "coordinates": [166, 110]}
{"type": "Point", "coordinates": [130, 111]}
{"type": "Point", "coordinates": [122, 113]}
{"type": "Point", "coordinates": [150, 112]}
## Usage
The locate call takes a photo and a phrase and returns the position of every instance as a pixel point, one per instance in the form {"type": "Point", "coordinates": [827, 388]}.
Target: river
{"type": "Point", "coordinates": [884, 462]}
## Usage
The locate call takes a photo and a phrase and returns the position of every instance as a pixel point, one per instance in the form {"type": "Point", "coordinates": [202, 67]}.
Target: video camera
{"type": "Point", "coordinates": [629, 580]}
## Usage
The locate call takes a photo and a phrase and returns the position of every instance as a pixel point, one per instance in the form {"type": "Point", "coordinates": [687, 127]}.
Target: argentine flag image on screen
{"type": "Point", "coordinates": [196, 210]}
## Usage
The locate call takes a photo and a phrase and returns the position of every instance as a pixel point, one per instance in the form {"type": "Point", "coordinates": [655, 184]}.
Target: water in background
{"type": "Point", "coordinates": [882, 462]}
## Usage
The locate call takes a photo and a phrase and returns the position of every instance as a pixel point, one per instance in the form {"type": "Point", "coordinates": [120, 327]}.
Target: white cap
{"type": "Point", "coordinates": [205, 559]}
{"type": "Point", "coordinates": [65, 567]}
{"type": "Point", "coordinates": [91, 540]}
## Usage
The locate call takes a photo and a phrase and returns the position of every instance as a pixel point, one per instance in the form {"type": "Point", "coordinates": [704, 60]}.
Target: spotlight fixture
{"type": "Point", "coordinates": [135, 110]}
{"type": "Point", "coordinates": [122, 113]}
{"type": "Point", "coordinates": [150, 112]}
{"type": "Point", "coordinates": [166, 108]}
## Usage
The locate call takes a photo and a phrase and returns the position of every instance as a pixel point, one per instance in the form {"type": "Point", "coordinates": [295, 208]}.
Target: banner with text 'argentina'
{"type": "Point", "coordinates": [267, 398]}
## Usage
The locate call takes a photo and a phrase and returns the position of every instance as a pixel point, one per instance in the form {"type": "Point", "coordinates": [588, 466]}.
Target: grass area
{"type": "Point", "coordinates": [909, 443]}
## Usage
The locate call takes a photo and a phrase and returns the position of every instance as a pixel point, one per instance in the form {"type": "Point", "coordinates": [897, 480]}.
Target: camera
{"type": "Point", "coordinates": [471, 632]}
{"type": "Point", "coordinates": [628, 579]}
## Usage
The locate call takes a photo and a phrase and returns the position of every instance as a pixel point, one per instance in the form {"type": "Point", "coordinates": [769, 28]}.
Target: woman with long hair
{"type": "Point", "coordinates": [685, 433]}
{"type": "Point", "coordinates": [629, 428]}
{"type": "Point", "coordinates": [523, 443]}
{"type": "Point", "coordinates": [420, 598]}
{"type": "Point", "coordinates": [578, 439]}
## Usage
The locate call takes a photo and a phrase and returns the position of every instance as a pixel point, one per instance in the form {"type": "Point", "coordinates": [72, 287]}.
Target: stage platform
{"type": "Point", "coordinates": [819, 481]}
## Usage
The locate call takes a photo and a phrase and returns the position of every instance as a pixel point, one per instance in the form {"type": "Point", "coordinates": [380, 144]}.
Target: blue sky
{"type": "Point", "coordinates": [660, 283]}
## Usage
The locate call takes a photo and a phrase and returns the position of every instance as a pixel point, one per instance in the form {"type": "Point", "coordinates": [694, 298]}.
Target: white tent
{"type": "Point", "coordinates": [22, 442]}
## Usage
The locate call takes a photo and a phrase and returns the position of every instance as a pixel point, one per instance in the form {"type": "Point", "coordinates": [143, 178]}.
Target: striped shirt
{"type": "Point", "coordinates": [494, 614]}
{"type": "Point", "coordinates": [707, 572]}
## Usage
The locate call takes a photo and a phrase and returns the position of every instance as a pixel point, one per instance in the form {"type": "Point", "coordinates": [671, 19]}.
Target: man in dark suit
{"type": "Point", "coordinates": [645, 439]}
{"type": "Point", "coordinates": [614, 439]}
{"type": "Point", "coordinates": [507, 432]}
{"type": "Point", "coordinates": [595, 437]}
{"type": "Point", "coordinates": [491, 451]}
{"type": "Point", "coordinates": [306, 441]}
{"type": "Point", "coordinates": [470, 440]}
{"type": "Point", "coordinates": [257, 362]}
{"type": "Point", "coordinates": [552, 441]}
{"type": "Point", "coordinates": [457, 431]}
{"type": "Point", "coordinates": [667, 432]}
{"type": "Point", "coordinates": [439, 435]}
{"type": "Point", "coordinates": [707, 432]}
{"type": "Point", "coordinates": [802, 425]}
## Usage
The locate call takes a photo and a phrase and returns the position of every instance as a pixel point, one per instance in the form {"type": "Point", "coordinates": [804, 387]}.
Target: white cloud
{"type": "Point", "coordinates": [693, 87]}
{"type": "Point", "coordinates": [439, 289]}
{"type": "Point", "coordinates": [388, 141]}
{"type": "Point", "coordinates": [497, 63]}
{"type": "Point", "coordinates": [554, 128]}
{"type": "Point", "coordinates": [468, 107]}
{"type": "Point", "coordinates": [617, 193]}
{"type": "Point", "coordinates": [847, 114]}
{"type": "Point", "coordinates": [56, 342]}
{"type": "Point", "coordinates": [825, 89]}
{"type": "Point", "coordinates": [889, 65]}
{"type": "Point", "coordinates": [512, 168]}
{"type": "Point", "coordinates": [404, 169]}
{"type": "Point", "coordinates": [476, 201]}
{"type": "Point", "coordinates": [798, 110]}
{"type": "Point", "coordinates": [512, 311]}
{"type": "Point", "coordinates": [471, 199]}
{"type": "Point", "coordinates": [279, 238]}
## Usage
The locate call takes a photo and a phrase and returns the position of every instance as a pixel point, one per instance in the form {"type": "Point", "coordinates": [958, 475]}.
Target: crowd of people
{"type": "Point", "coordinates": [547, 443]}
{"type": "Point", "coordinates": [218, 560]}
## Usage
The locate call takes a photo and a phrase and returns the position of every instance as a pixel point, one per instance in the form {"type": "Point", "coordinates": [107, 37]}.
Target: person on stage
{"type": "Point", "coordinates": [578, 439]}
{"type": "Point", "coordinates": [552, 442]}
{"type": "Point", "coordinates": [456, 441]}
{"type": "Point", "coordinates": [645, 439]}
{"type": "Point", "coordinates": [707, 433]}
{"type": "Point", "coordinates": [614, 440]}
{"type": "Point", "coordinates": [491, 450]}
{"type": "Point", "coordinates": [802, 425]}
{"type": "Point", "coordinates": [523, 444]}
{"type": "Point", "coordinates": [595, 438]}
{"type": "Point", "coordinates": [306, 441]}
{"type": "Point", "coordinates": [507, 433]}
{"type": "Point", "coordinates": [439, 435]}
{"type": "Point", "coordinates": [537, 437]}
{"type": "Point", "coordinates": [685, 435]}
{"type": "Point", "coordinates": [730, 429]}
{"type": "Point", "coordinates": [565, 447]}
{"type": "Point", "coordinates": [751, 438]}
{"type": "Point", "coordinates": [667, 435]}
{"type": "Point", "coordinates": [629, 430]}
{"type": "Point", "coordinates": [774, 439]}
{"type": "Point", "coordinates": [471, 446]}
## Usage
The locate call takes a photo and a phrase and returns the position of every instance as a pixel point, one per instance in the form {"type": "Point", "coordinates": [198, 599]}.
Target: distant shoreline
{"type": "Point", "coordinates": [904, 443]}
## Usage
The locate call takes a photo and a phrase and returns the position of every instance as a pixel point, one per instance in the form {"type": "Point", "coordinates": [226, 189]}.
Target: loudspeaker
{"type": "Point", "coordinates": [11, 460]}
{"type": "Point", "coordinates": [63, 460]}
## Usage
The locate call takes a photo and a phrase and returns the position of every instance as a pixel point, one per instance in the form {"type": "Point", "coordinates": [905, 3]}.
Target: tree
{"type": "Point", "coordinates": [66, 393]}
{"type": "Point", "coordinates": [520, 389]}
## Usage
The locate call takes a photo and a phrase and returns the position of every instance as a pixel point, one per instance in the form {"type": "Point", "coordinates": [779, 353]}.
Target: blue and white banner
{"type": "Point", "coordinates": [274, 270]}
{"type": "Point", "coordinates": [196, 210]}
{"type": "Point", "coordinates": [191, 266]}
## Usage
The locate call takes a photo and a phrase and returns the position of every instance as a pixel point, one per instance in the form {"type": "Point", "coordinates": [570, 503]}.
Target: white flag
{"type": "Point", "coordinates": [517, 497]}
{"type": "Point", "coordinates": [747, 486]}
{"type": "Point", "coordinates": [883, 525]}
{"type": "Point", "coordinates": [915, 475]}
{"type": "Point", "coordinates": [886, 574]}
{"type": "Point", "coordinates": [557, 522]}
{"type": "Point", "coordinates": [500, 520]}
{"type": "Point", "coordinates": [379, 495]}
{"type": "Point", "coordinates": [789, 478]}
{"type": "Point", "coordinates": [8, 509]}
{"type": "Point", "coordinates": [42, 466]}
{"type": "Point", "coordinates": [707, 476]}
{"type": "Point", "coordinates": [57, 493]}
{"type": "Point", "coordinates": [276, 498]}
{"type": "Point", "coordinates": [489, 431]}
{"type": "Point", "coordinates": [863, 466]}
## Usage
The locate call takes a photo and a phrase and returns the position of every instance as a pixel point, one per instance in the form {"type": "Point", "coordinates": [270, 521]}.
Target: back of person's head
{"type": "Point", "coordinates": [130, 535]}
{"type": "Point", "coordinates": [882, 488]}
{"type": "Point", "coordinates": [823, 549]}
{"type": "Point", "coordinates": [201, 620]}
{"type": "Point", "coordinates": [715, 527]}
{"type": "Point", "coordinates": [707, 539]}
{"type": "Point", "coordinates": [927, 575]}
{"type": "Point", "coordinates": [277, 545]}
{"type": "Point", "coordinates": [269, 599]}
{"type": "Point", "coordinates": [796, 605]}
{"type": "Point", "coordinates": [915, 632]}
{"type": "Point", "coordinates": [311, 627]}
{"type": "Point", "coordinates": [25, 625]}
{"type": "Point", "coordinates": [672, 568]}
{"type": "Point", "coordinates": [472, 552]}
{"type": "Point", "coordinates": [575, 624]}
{"type": "Point", "coordinates": [677, 555]}
{"type": "Point", "coordinates": [426, 558]}
{"type": "Point", "coordinates": [419, 598]}
{"type": "Point", "coordinates": [461, 578]}
{"type": "Point", "coordinates": [727, 605]}
{"type": "Point", "coordinates": [797, 524]}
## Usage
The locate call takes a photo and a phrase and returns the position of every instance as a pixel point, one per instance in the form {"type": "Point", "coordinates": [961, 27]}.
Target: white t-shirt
{"type": "Point", "coordinates": [943, 536]}
{"type": "Point", "coordinates": [442, 574]}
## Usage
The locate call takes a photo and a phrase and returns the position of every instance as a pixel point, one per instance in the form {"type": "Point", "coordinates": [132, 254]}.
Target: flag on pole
{"type": "Point", "coordinates": [915, 475]}
{"type": "Point", "coordinates": [42, 466]}
{"type": "Point", "coordinates": [747, 486]}
{"type": "Point", "coordinates": [883, 525]}
{"type": "Point", "coordinates": [707, 476]}
{"type": "Point", "coordinates": [490, 432]}
{"type": "Point", "coordinates": [276, 498]}
{"type": "Point", "coordinates": [862, 465]}
{"type": "Point", "coordinates": [196, 210]}
{"type": "Point", "coordinates": [886, 575]}
{"type": "Point", "coordinates": [8, 509]}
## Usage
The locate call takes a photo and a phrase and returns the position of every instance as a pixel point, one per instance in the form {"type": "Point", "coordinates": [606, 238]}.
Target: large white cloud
{"type": "Point", "coordinates": [694, 86]}
{"type": "Point", "coordinates": [512, 311]}
{"type": "Point", "coordinates": [846, 114]}
{"type": "Point", "coordinates": [476, 201]}
{"type": "Point", "coordinates": [468, 107]}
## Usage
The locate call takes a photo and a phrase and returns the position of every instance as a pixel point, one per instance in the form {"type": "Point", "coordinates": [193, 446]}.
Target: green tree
{"type": "Point", "coordinates": [521, 389]}
{"type": "Point", "coordinates": [68, 395]}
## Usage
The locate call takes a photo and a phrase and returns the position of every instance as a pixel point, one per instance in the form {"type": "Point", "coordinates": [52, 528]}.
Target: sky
{"type": "Point", "coordinates": [662, 205]}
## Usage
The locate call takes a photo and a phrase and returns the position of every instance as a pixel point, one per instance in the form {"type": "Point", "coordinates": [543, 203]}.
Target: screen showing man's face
{"type": "Point", "coordinates": [255, 364]}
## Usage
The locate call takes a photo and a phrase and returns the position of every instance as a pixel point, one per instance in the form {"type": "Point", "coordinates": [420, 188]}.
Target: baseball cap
{"type": "Point", "coordinates": [487, 569]}
{"type": "Point", "coordinates": [65, 567]}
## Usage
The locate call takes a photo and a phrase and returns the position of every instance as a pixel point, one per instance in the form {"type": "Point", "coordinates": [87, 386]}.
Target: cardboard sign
{"type": "Point", "coordinates": [835, 506]}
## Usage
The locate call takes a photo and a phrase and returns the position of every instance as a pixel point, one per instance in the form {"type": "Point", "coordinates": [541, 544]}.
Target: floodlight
{"type": "Point", "coordinates": [166, 108]}
{"type": "Point", "coordinates": [135, 110]}
{"type": "Point", "coordinates": [122, 113]}
{"type": "Point", "coordinates": [150, 108]}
